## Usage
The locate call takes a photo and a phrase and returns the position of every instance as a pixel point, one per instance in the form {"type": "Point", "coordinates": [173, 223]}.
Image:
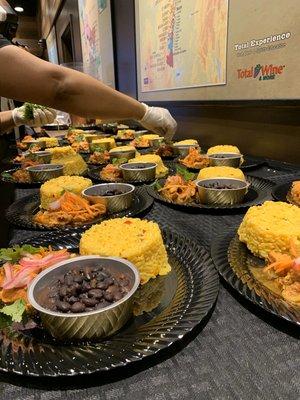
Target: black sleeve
{"type": "Point", "coordinates": [4, 42]}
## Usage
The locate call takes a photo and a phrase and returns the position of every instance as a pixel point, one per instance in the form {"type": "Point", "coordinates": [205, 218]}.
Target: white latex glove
{"type": "Point", "coordinates": [40, 116]}
{"type": "Point", "coordinates": [159, 120]}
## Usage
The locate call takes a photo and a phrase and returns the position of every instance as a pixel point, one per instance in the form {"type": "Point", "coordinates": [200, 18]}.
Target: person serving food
{"type": "Point", "coordinates": [25, 77]}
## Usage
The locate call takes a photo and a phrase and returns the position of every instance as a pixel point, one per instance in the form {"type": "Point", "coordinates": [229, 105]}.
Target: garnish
{"type": "Point", "coordinates": [186, 175]}
{"type": "Point", "coordinates": [7, 175]}
{"type": "Point", "coordinates": [13, 254]}
{"type": "Point", "coordinates": [119, 161]}
{"type": "Point", "coordinates": [15, 310]}
{"type": "Point", "coordinates": [29, 110]}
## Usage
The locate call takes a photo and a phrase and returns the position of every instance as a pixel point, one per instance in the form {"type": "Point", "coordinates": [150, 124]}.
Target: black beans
{"type": "Point", "coordinates": [77, 307]}
{"type": "Point", "coordinates": [87, 289]}
{"type": "Point", "coordinates": [218, 185]}
{"type": "Point", "coordinates": [97, 293]}
{"type": "Point", "coordinates": [63, 306]}
{"type": "Point", "coordinates": [89, 302]}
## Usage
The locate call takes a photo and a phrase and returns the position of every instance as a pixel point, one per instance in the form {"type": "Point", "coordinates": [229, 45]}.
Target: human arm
{"type": "Point", "coordinates": [6, 122]}
{"type": "Point", "coordinates": [25, 77]}
{"type": "Point", "coordinates": [40, 116]}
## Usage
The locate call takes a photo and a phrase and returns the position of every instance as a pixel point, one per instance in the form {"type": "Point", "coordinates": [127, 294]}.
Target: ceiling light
{"type": "Point", "coordinates": [19, 9]}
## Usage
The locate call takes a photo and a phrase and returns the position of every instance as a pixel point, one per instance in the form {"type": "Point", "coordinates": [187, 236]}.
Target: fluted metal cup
{"type": "Point", "coordinates": [91, 325]}
{"type": "Point", "coordinates": [128, 155]}
{"type": "Point", "coordinates": [44, 157]}
{"type": "Point", "coordinates": [183, 150]}
{"type": "Point", "coordinates": [138, 172]}
{"type": "Point", "coordinates": [116, 203]}
{"type": "Point", "coordinates": [222, 196]}
{"type": "Point", "coordinates": [44, 172]}
{"type": "Point", "coordinates": [225, 159]}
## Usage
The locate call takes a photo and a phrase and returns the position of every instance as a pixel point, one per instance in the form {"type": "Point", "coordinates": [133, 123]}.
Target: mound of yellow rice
{"type": "Point", "coordinates": [50, 141]}
{"type": "Point", "coordinates": [270, 227]}
{"type": "Point", "coordinates": [122, 148]}
{"type": "Point", "coordinates": [161, 169]}
{"type": "Point", "coordinates": [186, 142]}
{"type": "Point", "coordinates": [121, 132]}
{"type": "Point", "coordinates": [221, 172]}
{"type": "Point", "coordinates": [150, 136]}
{"type": "Point", "coordinates": [139, 241]}
{"type": "Point", "coordinates": [73, 163]}
{"type": "Point", "coordinates": [53, 189]}
{"type": "Point", "coordinates": [110, 141]}
{"type": "Point", "coordinates": [223, 148]}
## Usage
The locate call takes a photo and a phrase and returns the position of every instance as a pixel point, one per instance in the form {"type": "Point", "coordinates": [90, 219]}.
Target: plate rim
{"type": "Point", "coordinates": [9, 214]}
{"type": "Point", "coordinates": [152, 192]}
{"type": "Point", "coordinates": [219, 254]}
{"type": "Point", "coordinates": [210, 285]}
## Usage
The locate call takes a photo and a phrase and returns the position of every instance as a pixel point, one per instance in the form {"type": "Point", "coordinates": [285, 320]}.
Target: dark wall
{"type": "Point", "coordinates": [69, 15]}
{"type": "Point", "coordinates": [269, 129]}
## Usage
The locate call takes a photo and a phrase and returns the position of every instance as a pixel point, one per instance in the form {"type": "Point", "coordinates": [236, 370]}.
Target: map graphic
{"type": "Point", "coordinates": [182, 43]}
{"type": "Point", "coordinates": [90, 35]}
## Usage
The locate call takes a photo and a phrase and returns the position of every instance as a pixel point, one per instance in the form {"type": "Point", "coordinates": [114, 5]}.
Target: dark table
{"type": "Point", "coordinates": [240, 352]}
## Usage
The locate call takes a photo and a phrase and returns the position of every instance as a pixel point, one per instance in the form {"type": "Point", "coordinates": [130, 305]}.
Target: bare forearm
{"type": "Point", "coordinates": [6, 122]}
{"type": "Point", "coordinates": [40, 82]}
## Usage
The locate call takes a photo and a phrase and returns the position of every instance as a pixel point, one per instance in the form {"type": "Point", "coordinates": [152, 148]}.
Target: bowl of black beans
{"type": "Point", "coordinates": [222, 191]}
{"type": "Point", "coordinates": [86, 297]}
{"type": "Point", "coordinates": [225, 159]}
{"type": "Point", "coordinates": [115, 196]}
{"type": "Point", "coordinates": [138, 172]}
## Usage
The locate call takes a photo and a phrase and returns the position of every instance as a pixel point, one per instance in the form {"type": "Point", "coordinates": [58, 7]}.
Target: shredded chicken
{"type": "Point", "coordinates": [284, 269]}
{"type": "Point", "coordinates": [195, 160]}
{"type": "Point", "coordinates": [72, 208]}
{"type": "Point", "coordinates": [111, 172]}
{"type": "Point", "coordinates": [21, 176]}
{"type": "Point", "coordinates": [295, 193]}
{"type": "Point", "coordinates": [99, 157]}
{"type": "Point", "coordinates": [179, 191]}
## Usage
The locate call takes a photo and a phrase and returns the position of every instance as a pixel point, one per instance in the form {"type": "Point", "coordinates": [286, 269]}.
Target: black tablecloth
{"type": "Point", "coordinates": [241, 353]}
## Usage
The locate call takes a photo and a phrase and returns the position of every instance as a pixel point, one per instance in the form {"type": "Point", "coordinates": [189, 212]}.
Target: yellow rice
{"type": "Point", "coordinates": [54, 188]}
{"type": "Point", "coordinates": [137, 240]}
{"type": "Point", "coordinates": [270, 227]}
{"type": "Point", "coordinates": [110, 141]}
{"type": "Point", "coordinates": [223, 148]}
{"type": "Point", "coordinates": [161, 169]}
{"type": "Point", "coordinates": [73, 163]}
{"type": "Point", "coordinates": [186, 142]}
{"type": "Point", "coordinates": [50, 141]}
{"type": "Point", "coordinates": [221, 172]}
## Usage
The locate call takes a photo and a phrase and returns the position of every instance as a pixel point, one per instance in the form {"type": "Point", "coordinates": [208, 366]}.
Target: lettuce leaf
{"type": "Point", "coordinates": [186, 175]}
{"type": "Point", "coordinates": [13, 254]}
{"type": "Point", "coordinates": [15, 310]}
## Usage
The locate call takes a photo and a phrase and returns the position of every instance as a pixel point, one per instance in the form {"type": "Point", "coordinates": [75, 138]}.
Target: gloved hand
{"type": "Point", "coordinates": [160, 121]}
{"type": "Point", "coordinates": [41, 116]}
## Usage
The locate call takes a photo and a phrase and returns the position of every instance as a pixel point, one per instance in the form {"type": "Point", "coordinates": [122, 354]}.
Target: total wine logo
{"type": "Point", "coordinates": [261, 72]}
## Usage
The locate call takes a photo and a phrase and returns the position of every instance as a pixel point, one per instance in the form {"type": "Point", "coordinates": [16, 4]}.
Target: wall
{"type": "Point", "coordinates": [47, 13]}
{"type": "Point", "coordinates": [264, 128]}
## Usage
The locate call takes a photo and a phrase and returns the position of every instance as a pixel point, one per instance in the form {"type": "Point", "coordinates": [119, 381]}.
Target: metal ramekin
{"type": "Point", "coordinates": [90, 325]}
{"type": "Point", "coordinates": [183, 150]}
{"type": "Point", "coordinates": [93, 137]}
{"type": "Point", "coordinates": [137, 134]}
{"type": "Point", "coordinates": [114, 204]}
{"type": "Point", "coordinates": [222, 196]}
{"type": "Point", "coordinates": [103, 146]}
{"type": "Point", "coordinates": [41, 144]}
{"type": "Point", "coordinates": [231, 160]}
{"type": "Point", "coordinates": [128, 155]}
{"type": "Point", "coordinates": [44, 157]}
{"type": "Point", "coordinates": [44, 172]}
{"type": "Point", "coordinates": [156, 142]}
{"type": "Point", "coordinates": [132, 173]}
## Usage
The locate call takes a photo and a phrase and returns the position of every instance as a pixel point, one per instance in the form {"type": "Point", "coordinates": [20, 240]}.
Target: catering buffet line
{"type": "Point", "coordinates": [108, 283]}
